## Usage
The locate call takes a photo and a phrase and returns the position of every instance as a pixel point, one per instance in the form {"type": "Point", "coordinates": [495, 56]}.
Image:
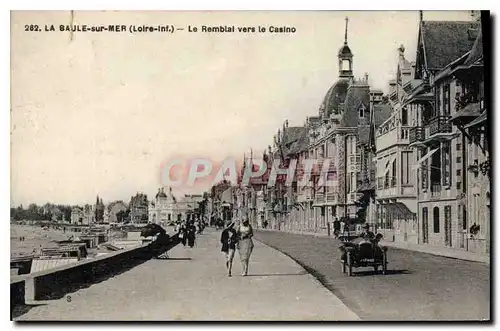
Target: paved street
{"type": "Point", "coordinates": [193, 285]}
{"type": "Point", "coordinates": [419, 286]}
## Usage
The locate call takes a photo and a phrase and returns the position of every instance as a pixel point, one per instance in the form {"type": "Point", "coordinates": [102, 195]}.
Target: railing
{"type": "Point", "coordinates": [416, 134]}
{"type": "Point", "coordinates": [319, 197]}
{"type": "Point", "coordinates": [332, 197]}
{"type": "Point", "coordinates": [355, 159]}
{"type": "Point", "coordinates": [385, 183]}
{"type": "Point", "coordinates": [404, 132]}
{"type": "Point", "coordinates": [354, 162]}
{"type": "Point", "coordinates": [435, 190]}
{"type": "Point", "coordinates": [354, 196]}
{"type": "Point", "coordinates": [439, 124]}
{"type": "Point", "coordinates": [380, 183]}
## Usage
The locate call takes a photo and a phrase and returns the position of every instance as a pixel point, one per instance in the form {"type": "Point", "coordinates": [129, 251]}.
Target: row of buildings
{"type": "Point", "coordinates": [414, 163]}
{"type": "Point", "coordinates": [163, 208]}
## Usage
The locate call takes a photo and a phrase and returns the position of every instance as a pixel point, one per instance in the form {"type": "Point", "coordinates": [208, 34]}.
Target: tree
{"type": "Point", "coordinates": [99, 210]}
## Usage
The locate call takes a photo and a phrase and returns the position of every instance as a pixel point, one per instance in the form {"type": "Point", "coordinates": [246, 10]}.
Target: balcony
{"type": "Point", "coordinates": [439, 127]}
{"type": "Point", "coordinates": [416, 135]}
{"type": "Point", "coordinates": [387, 188]}
{"type": "Point", "coordinates": [304, 194]}
{"type": "Point", "coordinates": [392, 135]}
{"type": "Point", "coordinates": [435, 190]}
{"type": "Point", "coordinates": [354, 163]}
{"type": "Point", "coordinates": [332, 198]}
{"type": "Point", "coordinates": [353, 197]}
{"type": "Point", "coordinates": [319, 198]}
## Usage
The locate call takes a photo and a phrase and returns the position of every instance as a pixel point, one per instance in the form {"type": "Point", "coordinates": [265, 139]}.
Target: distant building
{"type": "Point", "coordinates": [139, 209]}
{"type": "Point", "coordinates": [163, 208]}
{"type": "Point", "coordinates": [76, 215]}
{"type": "Point", "coordinates": [188, 205]}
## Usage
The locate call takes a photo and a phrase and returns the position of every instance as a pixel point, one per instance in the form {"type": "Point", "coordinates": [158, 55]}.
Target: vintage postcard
{"type": "Point", "coordinates": [250, 166]}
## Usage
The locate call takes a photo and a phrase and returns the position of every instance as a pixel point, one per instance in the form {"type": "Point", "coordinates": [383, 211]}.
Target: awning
{"type": "Point", "coordinates": [383, 171]}
{"type": "Point", "coordinates": [423, 158]}
{"type": "Point", "coordinates": [399, 209]}
{"type": "Point", "coordinates": [367, 187]}
{"type": "Point", "coordinates": [389, 164]}
{"type": "Point", "coordinates": [482, 118]}
{"type": "Point", "coordinates": [471, 110]}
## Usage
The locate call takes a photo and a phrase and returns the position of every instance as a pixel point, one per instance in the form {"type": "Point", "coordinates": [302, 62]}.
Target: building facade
{"type": "Point", "coordinates": [163, 208]}
{"type": "Point", "coordinates": [441, 148]}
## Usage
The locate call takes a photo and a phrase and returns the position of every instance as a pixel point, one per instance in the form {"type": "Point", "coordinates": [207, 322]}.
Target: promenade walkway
{"type": "Point", "coordinates": [193, 285]}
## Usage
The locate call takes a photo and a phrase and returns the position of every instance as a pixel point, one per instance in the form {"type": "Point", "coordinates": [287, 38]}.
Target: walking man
{"type": "Point", "coordinates": [228, 240]}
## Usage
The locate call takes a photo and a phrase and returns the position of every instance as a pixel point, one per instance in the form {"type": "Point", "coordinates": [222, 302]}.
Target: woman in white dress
{"type": "Point", "coordinates": [245, 244]}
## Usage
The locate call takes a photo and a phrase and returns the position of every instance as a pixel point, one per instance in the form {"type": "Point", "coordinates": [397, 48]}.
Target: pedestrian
{"type": "Point", "coordinates": [228, 239]}
{"type": "Point", "coordinates": [245, 244]}
{"type": "Point", "coordinates": [336, 227]}
{"type": "Point", "coordinates": [342, 228]}
{"type": "Point", "coordinates": [183, 233]}
{"type": "Point", "coordinates": [191, 235]}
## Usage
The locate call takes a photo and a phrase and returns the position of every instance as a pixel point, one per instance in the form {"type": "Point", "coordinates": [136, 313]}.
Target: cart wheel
{"type": "Point", "coordinates": [384, 264]}
{"type": "Point", "coordinates": [349, 264]}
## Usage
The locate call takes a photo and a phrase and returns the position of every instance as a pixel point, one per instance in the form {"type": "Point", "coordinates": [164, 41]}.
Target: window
{"type": "Point", "coordinates": [459, 146]}
{"type": "Point", "coordinates": [459, 172]}
{"type": "Point", "coordinates": [425, 215]}
{"type": "Point", "coordinates": [349, 146]}
{"type": "Point", "coordinates": [362, 111]}
{"type": "Point", "coordinates": [404, 116]}
{"type": "Point", "coordinates": [459, 185]}
{"type": "Point", "coordinates": [459, 159]}
{"type": "Point", "coordinates": [435, 215]}
{"type": "Point", "coordinates": [464, 219]}
{"type": "Point", "coordinates": [446, 100]}
{"type": "Point", "coordinates": [346, 64]}
{"type": "Point", "coordinates": [169, 217]}
{"type": "Point", "coordinates": [424, 170]}
{"type": "Point", "coordinates": [446, 163]}
{"type": "Point", "coordinates": [406, 168]}
{"type": "Point", "coordinates": [438, 100]}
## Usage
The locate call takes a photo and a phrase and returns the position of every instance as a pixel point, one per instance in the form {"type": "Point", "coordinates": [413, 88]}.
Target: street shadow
{"type": "Point", "coordinates": [96, 277]}
{"type": "Point", "coordinates": [388, 273]}
{"type": "Point", "coordinates": [269, 275]}
{"type": "Point", "coordinates": [22, 309]}
{"type": "Point", "coordinates": [176, 259]}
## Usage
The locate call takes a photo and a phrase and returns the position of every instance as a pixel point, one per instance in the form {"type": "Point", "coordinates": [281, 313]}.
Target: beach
{"type": "Point", "coordinates": [35, 237]}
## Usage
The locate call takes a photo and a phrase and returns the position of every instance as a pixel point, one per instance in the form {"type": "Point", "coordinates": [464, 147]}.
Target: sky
{"type": "Point", "coordinates": [99, 113]}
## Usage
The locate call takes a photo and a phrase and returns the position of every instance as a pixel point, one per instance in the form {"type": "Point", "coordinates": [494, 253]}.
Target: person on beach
{"type": "Point", "coordinates": [245, 244]}
{"type": "Point", "coordinates": [228, 240]}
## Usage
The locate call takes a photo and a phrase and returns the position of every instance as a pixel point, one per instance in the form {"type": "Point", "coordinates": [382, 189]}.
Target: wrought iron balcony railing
{"type": "Point", "coordinates": [417, 133]}
{"type": "Point", "coordinates": [435, 190]}
{"type": "Point", "coordinates": [439, 124]}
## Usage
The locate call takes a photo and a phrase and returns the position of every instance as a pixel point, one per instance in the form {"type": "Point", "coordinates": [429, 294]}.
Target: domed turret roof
{"type": "Point", "coordinates": [335, 97]}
